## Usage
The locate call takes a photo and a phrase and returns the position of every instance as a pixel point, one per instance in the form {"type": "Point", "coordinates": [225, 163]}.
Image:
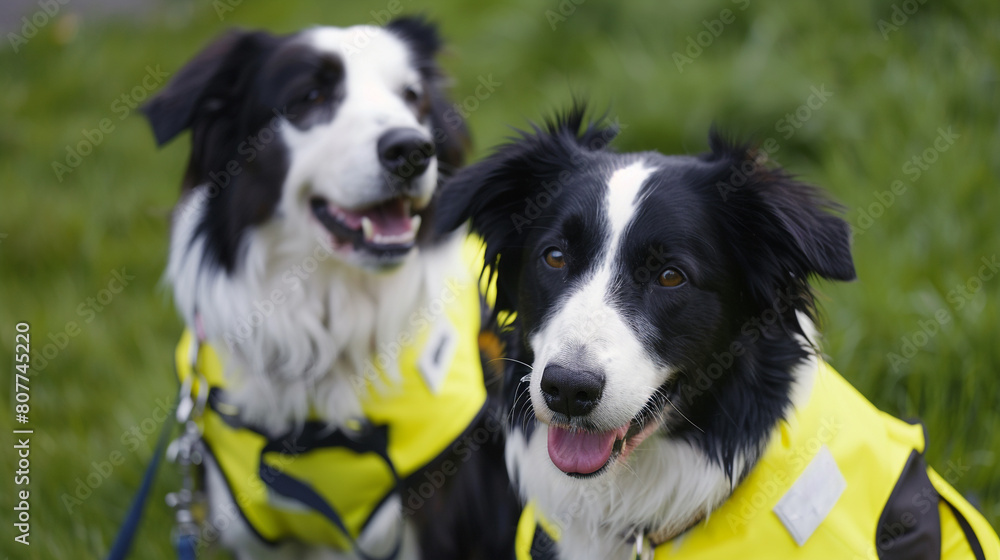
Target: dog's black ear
{"type": "Point", "coordinates": [419, 33]}
{"type": "Point", "coordinates": [451, 137]}
{"type": "Point", "coordinates": [204, 86]}
{"type": "Point", "coordinates": [496, 193]}
{"type": "Point", "coordinates": [785, 230]}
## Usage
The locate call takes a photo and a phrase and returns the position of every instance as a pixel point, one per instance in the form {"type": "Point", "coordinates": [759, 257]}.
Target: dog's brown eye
{"type": "Point", "coordinates": [315, 96]}
{"type": "Point", "coordinates": [554, 258]}
{"type": "Point", "coordinates": [671, 278]}
{"type": "Point", "coordinates": [411, 95]}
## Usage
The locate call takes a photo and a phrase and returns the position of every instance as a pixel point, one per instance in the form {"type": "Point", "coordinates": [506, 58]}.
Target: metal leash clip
{"type": "Point", "coordinates": [641, 550]}
{"type": "Point", "coordinates": [188, 503]}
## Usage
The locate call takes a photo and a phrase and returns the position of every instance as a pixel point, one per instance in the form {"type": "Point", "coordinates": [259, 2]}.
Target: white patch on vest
{"type": "Point", "coordinates": [279, 501]}
{"type": "Point", "coordinates": [438, 354]}
{"type": "Point", "coordinates": [810, 499]}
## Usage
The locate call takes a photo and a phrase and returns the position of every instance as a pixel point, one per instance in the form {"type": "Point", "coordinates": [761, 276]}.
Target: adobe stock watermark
{"type": "Point", "coordinates": [563, 12]}
{"type": "Point", "coordinates": [122, 106]}
{"type": "Point", "coordinates": [88, 310]}
{"type": "Point", "coordinates": [901, 523]}
{"type": "Point", "coordinates": [792, 122]}
{"type": "Point", "coordinates": [223, 516]}
{"type": "Point", "coordinates": [696, 44]}
{"type": "Point", "coordinates": [762, 501]}
{"type": "Point", "coordinates": [751, 331]}
{"type": "Point", "coordinates": [262, 309]}
{"type": "Point", "coordinates": [470, 104]}
{"type": "Point", "coordinates": [31, 25]}
{"type": "Point", "coordinates": [535, 204]}
{"type": "Point", "coordinates": [363, 35]}
{"type": "Point", "coordinates": [101, 471]}
{"type": "Point", "coordinates": [900, 16]}
{"type": "Point", "coordinates": [787, 126]}
{"type": "Point", "coordinates": [248, 150]}
{"type": "Point", "coordinates": [913, 168]}
{"type": "Point", "coordinates": [224, 7]}
{"type": "Point", "coordinates": [461, 451]}
{"type": "Point", "coordinates": [421, 319]}
{"type": "Point", "coordinates": [959, 296]}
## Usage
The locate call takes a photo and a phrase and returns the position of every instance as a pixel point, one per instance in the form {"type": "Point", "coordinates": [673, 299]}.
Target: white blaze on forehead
{"type": "Point", "coordinates": [587, 332]}
{"type": "Point", "coordinates": [338, 159]}
{"type": "Point", "coordinates": [366, 49]}
{"type": "Point", "coordinates": [623, 191]}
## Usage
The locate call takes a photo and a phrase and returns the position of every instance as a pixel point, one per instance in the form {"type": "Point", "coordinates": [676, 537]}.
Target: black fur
{"type": "Point", "coordinates": [497, 193]}
{"type": "Point", "coordinates": [230, 96]}
{"type": "Point", "coordinates": [747, 237]}
{"type": "Point", "coordinates": [451, 138]}
{"type": "Point", "coordinates": [474, 515]}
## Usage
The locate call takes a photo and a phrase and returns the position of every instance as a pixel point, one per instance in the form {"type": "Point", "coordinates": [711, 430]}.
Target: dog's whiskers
{"type": "Point", "coordinates": [515, 409]}
{"type": "Point", "coordinates": [512, 360]}
{"type": "Point", "coordinates": [666, 398]}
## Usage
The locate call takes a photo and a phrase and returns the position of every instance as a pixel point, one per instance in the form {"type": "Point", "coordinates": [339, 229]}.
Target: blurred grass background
{"type": "Point", "coordinates": [892, 89]}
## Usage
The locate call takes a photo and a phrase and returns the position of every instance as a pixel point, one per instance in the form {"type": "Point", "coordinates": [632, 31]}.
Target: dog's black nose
{"type": "Point", "coordinates": [573, 393]}
{"type": "Point", "coordinates": [405, 152]}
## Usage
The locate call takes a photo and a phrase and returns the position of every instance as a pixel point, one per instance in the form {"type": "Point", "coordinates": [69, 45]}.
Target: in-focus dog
{"type": "Point", "coordinates": [304, 260]}
{"type": "Point", "coordinates": [668, 398]}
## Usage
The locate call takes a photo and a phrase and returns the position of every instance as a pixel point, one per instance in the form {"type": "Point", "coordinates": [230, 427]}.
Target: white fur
{"type": "Point", "coordinates": [339, 160]}
{"type": "Point", "coordinates": [315, 348]}
{"type": "Point", "coordinates": [589, 332]}
{"type": "Point", "coordinates": [334, 313]}
{"type": "Point", "coordinates": [623, 197]}
{"type": "Point", "coordinates": [664, 484]}
{"type": "Point", "coordinates": [298, 321]}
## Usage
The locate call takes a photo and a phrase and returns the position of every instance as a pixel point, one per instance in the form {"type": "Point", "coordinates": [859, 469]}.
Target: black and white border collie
{"type": "Point", "coordinates": [314, 162]}
{"type": "Point", "coordinates": [628, 273]}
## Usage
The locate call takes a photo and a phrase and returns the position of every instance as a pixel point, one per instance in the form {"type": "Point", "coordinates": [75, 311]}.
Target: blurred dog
{"type": "Point", "coordinates": [667, 397]}
{"type": "Point", "coordinates": [335, 329]}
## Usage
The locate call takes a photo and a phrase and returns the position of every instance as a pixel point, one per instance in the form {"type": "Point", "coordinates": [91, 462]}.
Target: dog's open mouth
{"type": "Point", "coordinates": [583, 453]}
{"type": "Point", "coordinates": [386, 229]}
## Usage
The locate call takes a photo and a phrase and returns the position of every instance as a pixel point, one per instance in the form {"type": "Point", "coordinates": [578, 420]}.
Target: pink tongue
{"type": "Point", "coordinates": [581, 452]}
{"type": "Point", "coordinates": [390, 218]}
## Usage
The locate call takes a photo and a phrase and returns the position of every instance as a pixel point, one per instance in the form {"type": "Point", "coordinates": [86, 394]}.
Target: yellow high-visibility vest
{"type": "Point", "coordinates": [892, 506]}
{"type": "Point", "coordinates": [284, 485]}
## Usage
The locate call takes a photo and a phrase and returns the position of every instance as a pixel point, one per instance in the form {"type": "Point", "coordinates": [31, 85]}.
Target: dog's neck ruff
{"type": "Point", "coordinates": [290, 320]}
{"type": "Point", "coordinates": [839, 479]}
{"type": "Point", "coordinates": [278, 480]}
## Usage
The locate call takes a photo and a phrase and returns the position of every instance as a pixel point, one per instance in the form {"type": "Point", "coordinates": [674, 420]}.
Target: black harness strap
{"type": "Point", "coordinates": [315, 435]}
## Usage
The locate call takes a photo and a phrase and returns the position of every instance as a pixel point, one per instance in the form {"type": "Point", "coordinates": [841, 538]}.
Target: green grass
{"type": "Point", "coordinates": [890, 97]}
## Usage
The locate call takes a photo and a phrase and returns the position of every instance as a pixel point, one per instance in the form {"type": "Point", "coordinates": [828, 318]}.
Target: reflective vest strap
{"type": "Point", "coordinates": [533, 542]}
{"type": "Point", "coordinates": [981, 541]}
{"type": "Point", "coordinates": [298, 490]}
{"type": "Point", "coordinates": [975, 547]}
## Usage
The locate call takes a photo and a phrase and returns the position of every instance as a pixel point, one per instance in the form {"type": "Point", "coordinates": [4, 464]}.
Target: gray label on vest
{"type": "Point", "coordinates": [436, 359]}
{"type": "Point", "coordinates": [810, 499]}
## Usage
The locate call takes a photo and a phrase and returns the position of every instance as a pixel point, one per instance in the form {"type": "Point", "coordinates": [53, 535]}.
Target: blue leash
{"type": "Point", "coordinates": [123, 542]}
{"type": "Point", "coordinates": [185, 547]}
